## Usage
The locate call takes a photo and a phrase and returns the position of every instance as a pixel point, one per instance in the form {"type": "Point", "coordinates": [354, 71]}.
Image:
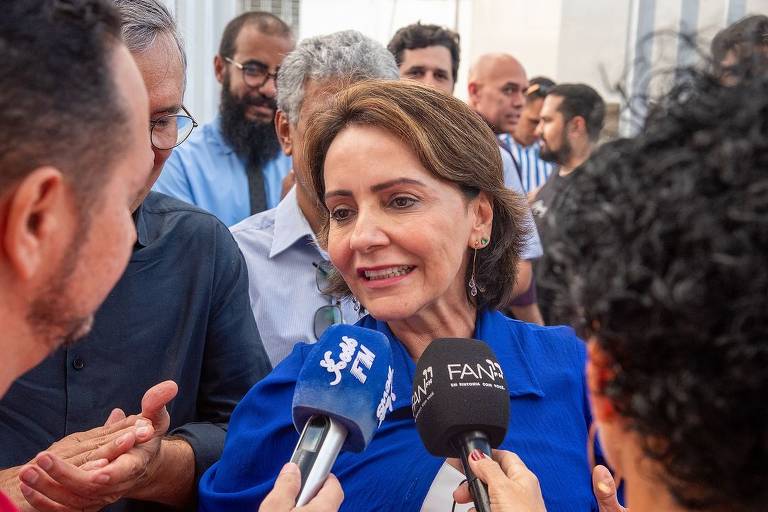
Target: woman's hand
{"type": "Point", "coordinates": [283, 496]}
{"type": "Point", "coordinates": [512, 487]}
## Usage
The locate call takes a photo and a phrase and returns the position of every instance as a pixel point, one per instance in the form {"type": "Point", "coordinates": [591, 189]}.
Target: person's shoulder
{"type": "Point", "coordinates": [256, 233]}
{"type": "Point", "coordinates": [257, 223]}
{"type": "Point", "coordinates": [173, 221]}
{"type": "Point", "coordinates": [548, 342]}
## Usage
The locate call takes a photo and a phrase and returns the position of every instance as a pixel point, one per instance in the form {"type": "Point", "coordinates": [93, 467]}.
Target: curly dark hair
{"type": "Point", "coordinates": [416, 36]}
{"type": "Point", "coordinates": [452, 142]}
{"type": "Point", "coordinates": [662, 241]}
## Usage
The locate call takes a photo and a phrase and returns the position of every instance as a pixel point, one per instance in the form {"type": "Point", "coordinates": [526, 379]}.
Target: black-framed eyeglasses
{"type": "Point", "coordinates": [330, 314]}
{"type": "Point", "coordinates": [170, 130]}
{"type": "Point", "coordinates": [255, 73]}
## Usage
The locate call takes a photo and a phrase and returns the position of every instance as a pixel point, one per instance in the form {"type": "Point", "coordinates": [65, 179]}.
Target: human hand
{"type": "Point", "coordinates": [283, 496]}
{"type": "Point", "coordinates": [109, 470]}
{"type": "Point", "coordinates": [605, 490]}
{"type": "Point", "coordinates": [512, 487]}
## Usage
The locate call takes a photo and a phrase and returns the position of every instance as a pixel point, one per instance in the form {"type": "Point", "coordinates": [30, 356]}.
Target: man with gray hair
{"type": "Point", "coordinates": [179, 314]}
{"type": "Point", "coordinates": [287, 269]}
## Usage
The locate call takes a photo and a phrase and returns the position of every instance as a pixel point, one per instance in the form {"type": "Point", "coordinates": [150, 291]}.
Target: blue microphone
{"type": "Point", "coordinates": [343, 393]}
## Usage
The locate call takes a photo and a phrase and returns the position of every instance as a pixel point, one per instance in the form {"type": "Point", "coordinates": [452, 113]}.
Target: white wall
{"type": "Point", "coordinates": [567, 40]}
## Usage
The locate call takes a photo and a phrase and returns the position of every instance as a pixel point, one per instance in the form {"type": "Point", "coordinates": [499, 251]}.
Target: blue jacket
{"type": "Point", "coordinates": [549, 420]}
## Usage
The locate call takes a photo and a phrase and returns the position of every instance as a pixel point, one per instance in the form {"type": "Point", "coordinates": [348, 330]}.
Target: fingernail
{"type": "Point", "coordinates": [290, 468]}
{"type": "Point", "coordinates": [26, 491]}
{"type": "Point", "coordinates": [476, 455]}
{"type": "Point", "coordinates": [45, 462]}
{"type": "Point", "coordinates": [29, 476]}
{"type": "Point", "coordinates": [143, 431]}
{"type": "Point", "coordinates": [142, 423]}
{"type": "Point", "coordinates": [122, 439]}
{"type": "Point", "coordinates": [604, 487]}
{"type": "Point", "coordinates": [102, 479]}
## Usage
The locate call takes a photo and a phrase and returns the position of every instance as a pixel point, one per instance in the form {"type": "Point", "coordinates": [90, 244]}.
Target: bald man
{"type": "Point", "coordinates": [496, 85]}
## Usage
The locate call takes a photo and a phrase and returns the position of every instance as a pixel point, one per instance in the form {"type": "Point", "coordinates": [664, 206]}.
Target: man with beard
{"type": "Point", "coordinates": [233, 166]}
{"type": "Point", "coordinates": [74, 155]}
{"type": "Point", "coordinates": [571, 119]}
{"type": "Point", "coordinates": [496, 85]}
{"type": "Point", "coordinates": [179, 314]}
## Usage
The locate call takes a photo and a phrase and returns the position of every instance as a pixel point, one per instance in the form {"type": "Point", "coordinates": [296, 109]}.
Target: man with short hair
{"type": "Point", "coordinates": [233, 166]}
{"type": "Point", "coordinates": [286, 266]}
{"type": "Point", "coordinates": [428, 54]}
{"type": "Point", "coordinates": [74, 155]}
{"type": "Point", "coordinates": [179, 312]}
{"type": "Point", "coordinates": [523, 143]}
{"type": "Point", "coordinates": [571, 120]}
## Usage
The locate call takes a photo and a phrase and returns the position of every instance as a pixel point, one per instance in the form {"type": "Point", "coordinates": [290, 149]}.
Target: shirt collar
{"type": "Point", "coordinates": [494, 329]}
{"type": "Point", "coordinates": [290, 226]}
{"type": "Point", "coordinates": [142, 230]}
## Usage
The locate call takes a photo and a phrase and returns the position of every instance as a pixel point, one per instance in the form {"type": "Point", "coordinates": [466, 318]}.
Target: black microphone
{"type": "Point", "coordinates": [460, 403]}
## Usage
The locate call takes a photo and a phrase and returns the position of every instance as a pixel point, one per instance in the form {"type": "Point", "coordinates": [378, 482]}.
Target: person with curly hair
{"type": "Point", "coordinates": [663, 246]}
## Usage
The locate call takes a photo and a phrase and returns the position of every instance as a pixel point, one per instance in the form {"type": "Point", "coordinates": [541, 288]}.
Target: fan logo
{"type": "Point", "coordinates": [475, 375]}
{"type": "Point", "coordinates": [363, 359]}
{"type": "Point", "coordinates": [423, 391]}
{"type": "Point", "coordinates": [388, 399]}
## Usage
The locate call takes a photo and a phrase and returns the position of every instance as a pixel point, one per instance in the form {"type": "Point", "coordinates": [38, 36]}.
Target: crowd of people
{"type": "Point", "coordinates": [164, 282]}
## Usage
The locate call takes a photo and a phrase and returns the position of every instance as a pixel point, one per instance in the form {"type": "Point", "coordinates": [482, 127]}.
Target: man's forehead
{"type": "Point", "coordinates": [551, 105]}
{"type": "Point", "coordinates": [431, 57]}
{"type": "Point", "coordinates": [252, 43]}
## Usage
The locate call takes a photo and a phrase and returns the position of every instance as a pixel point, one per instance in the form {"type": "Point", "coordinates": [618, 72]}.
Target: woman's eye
{"type": "Point", "coordinates": [402, 201]}
{"type": "Point", "coordinates": [340, 214]}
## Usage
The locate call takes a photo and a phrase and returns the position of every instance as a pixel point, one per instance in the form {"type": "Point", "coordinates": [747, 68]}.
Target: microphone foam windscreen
{"type": "Point", "coordinates": [346, 376]}
{"type": "Point", "coordinates": [458, 387]}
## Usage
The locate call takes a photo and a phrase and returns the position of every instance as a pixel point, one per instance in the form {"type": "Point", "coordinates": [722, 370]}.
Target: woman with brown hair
{"type": "Point", "coordinates": [425, 236]}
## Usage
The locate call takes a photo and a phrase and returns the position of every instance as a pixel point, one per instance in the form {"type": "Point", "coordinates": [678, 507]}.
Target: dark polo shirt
{"type": "Point", "coordinates": [181, 312]}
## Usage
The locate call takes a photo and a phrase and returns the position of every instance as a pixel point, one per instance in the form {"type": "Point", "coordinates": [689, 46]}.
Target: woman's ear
{"type": "Point", "coordinates": [600, 372]}
{"type": "Point", "coordinates": [481, 208]}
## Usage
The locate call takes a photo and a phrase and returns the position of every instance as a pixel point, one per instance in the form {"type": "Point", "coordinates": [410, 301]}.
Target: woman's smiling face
{"type": "Point", "coordinates": [398, 235]}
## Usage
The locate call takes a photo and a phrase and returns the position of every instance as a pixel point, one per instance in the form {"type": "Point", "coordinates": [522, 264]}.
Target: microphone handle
{"type": "Point", "coordinates": [468, 442]}
{"type": "Point", "coordinates": [315, 453]}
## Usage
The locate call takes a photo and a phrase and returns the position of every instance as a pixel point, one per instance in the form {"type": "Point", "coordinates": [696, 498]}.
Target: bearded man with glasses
{"type": "Point", "coordinates": [233, 167]}
{"type": "Point", "coordinates": [179, 314]}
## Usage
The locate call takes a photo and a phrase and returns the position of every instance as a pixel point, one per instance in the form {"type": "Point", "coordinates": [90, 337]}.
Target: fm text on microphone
{"type": "Point", "coordinates": [340, 400]}
{"type": "Point", "coordinates": [460, 403]}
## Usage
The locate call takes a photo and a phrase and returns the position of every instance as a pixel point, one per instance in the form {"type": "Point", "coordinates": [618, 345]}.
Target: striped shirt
{"type": "Point", "coordinates": [533, 170]}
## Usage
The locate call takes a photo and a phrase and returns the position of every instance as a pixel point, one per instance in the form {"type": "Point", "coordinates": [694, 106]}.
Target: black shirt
{"type": "Point", "coordinates": [180, 311]}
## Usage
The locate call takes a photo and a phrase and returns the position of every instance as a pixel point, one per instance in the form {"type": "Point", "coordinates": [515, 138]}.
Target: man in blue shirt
{"type": "Point", "coordinates": [179, 312]}
{"type": "Point", "coordinates": [233, 166]}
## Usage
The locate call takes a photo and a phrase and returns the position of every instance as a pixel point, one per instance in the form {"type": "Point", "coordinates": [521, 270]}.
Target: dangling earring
{"type": "Point", "coordinates": [472, 284]}
{"type": "Point", "coordinates": [355, 304]}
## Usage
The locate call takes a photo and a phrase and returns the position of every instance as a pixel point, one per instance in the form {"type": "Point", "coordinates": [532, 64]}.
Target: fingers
{"type": "Point", "coordinates": [461, 494]}
{"type": "Point", "coordinates": [283, 495]}
{"type": "Point", "coordinates": [328, 499]}
{"type": "Point", "coordinates": [605, 490]}
{"type": "Point", "coordinates": [155, 399]}
{"type": "Point", "coordinates": [118, 446]}
{"type": "Point", "coordinates": [115, 416]}
{"type": "Point", "coordinates": [486, 469]}
{"type": "Point", "coordinates": [44, 493]}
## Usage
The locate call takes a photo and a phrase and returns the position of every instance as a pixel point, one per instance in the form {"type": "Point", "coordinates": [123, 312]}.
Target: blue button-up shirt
{"type": "Point", "coordinates": [180, 311]}
{"type": "Point", "coordinates": [548, 425]}
{"type": "Point", "coordinates": [279, 248]}
{"type": "Point", "coordinates": [206, 171]}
